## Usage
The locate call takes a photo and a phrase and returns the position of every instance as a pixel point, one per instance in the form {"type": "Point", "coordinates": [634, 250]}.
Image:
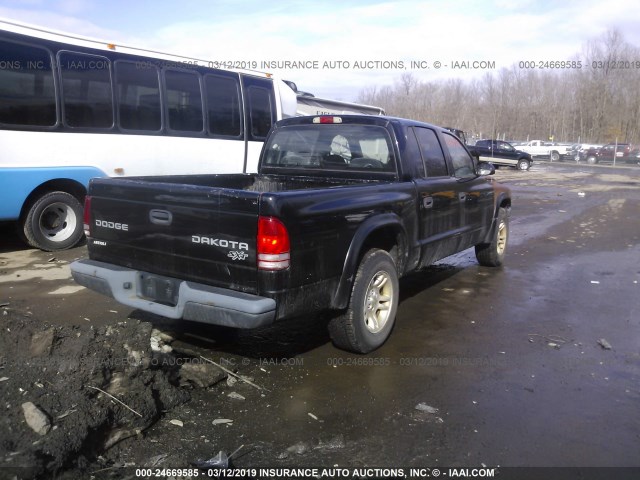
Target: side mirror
{"type": "Point", "coordinates": [485, 168]}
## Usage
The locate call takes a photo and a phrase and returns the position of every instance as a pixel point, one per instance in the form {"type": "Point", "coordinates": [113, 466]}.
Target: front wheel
{"type": "Point", "coordinates": [369, 319]}
{"type": "Point", "coordinates": [53, 222]}
{"type": "Point", "coordinates": [492, 254]}
{"type": "Point", "coordinates": [592, 160]}
{"type": "Point", "coordinates": [523, 164]}
{"type": "Point", "coordinates": [554, 156]}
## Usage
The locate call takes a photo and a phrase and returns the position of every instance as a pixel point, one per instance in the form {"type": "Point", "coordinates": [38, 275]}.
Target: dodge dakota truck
{"type": "Point", "coordinates": [341, 207]}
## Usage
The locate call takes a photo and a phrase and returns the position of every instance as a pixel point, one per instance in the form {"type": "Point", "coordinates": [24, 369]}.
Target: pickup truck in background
{"type": "Point", "coordinates": [341, 208]}
{"type": "Point", "coordinates": [499, 152]}
{"type": "Point", "coordinates": [538, 148]}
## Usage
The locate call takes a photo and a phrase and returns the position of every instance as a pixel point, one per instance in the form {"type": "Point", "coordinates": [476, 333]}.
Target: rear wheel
{"type": "Point", "coordinates": [592, 160]}
{"type": "Point", "coordinates": [369, 319]}
{"type": "Point", "coordinates": [53, 222]}
{"type": "Point", "coordinates": [523, 164]}
{"type": "Point", "coordinates": [554, 156]}
{"type": "Point", "coordinates": [492, 254]}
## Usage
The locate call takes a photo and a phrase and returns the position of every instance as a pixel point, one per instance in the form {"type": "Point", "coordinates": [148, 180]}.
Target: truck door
{"type": "Point", "coordinates": [506, 152]}
{"type": "Point", "coordinates": [260, 114]}
{"type": "Point", "coordinates": [439, 206]}
{"type": "Point", "coordinates": [474, 192]}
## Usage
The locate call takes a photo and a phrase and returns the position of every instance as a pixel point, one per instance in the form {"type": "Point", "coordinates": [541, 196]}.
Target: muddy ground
{"type": "Point", "coordinates": [533, 364]}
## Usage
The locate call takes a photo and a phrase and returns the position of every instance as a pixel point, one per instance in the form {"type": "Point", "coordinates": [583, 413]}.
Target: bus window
{"type": "Point", "coordinates": [86, 90]}
{"type": "Point", "coordinates": [184, 101]}
{"type": "Point", "coordinates": [223, 105]}
{"type": "Point", "coordinates": [261, 111]}
{"type": "Point", "coordinates": [138, 96]}
{"type": "Point", "coordinates": [27, 93]}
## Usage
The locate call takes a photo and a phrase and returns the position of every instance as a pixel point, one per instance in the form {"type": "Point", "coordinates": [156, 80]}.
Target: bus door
{"type": "Point", "coordinates": [260, 114]}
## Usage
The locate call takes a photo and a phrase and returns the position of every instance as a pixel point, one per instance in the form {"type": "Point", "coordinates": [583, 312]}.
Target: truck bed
{"type": "Point", "coordinates": [177, 225]}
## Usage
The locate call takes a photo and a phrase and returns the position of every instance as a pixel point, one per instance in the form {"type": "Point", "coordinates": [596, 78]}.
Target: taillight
{"type": "Point", "coordinates": [87, 216]}
{"type": "Point", "coordinates": [272, 244]}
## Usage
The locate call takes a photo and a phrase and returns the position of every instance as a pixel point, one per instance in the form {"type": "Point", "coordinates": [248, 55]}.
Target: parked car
{"type": "Point", "coordinates": [633, 156]}
{"type": "Point", "coordinates": [607, 153]}
{"type": "Point", "coordinates": [499, 152]}
{"type": "Point", "coordinates": [573, 152]}
{"type": "Point", "coordinates": [584, 150]}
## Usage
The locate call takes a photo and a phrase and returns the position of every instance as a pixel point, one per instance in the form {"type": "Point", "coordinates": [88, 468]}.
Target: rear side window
{"type": "Point", "coordinates": [431, 152]}
{"type": "Point", "coordinates": [138, 93]}
{"type": "Point", "coordinates": [27, 93]}
{"type": "Point", "coordinates": [87, 98]}
{"type": "Point", "coordinates": [184, 101]}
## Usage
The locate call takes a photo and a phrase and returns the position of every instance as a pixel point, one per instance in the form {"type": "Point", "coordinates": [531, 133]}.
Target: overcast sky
{"type": "Point", "coordinates": [384, 37]}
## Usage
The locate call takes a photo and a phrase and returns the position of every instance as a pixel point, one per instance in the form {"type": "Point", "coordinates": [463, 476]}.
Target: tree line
{"type": "Point", "coordinates": [597, 103]}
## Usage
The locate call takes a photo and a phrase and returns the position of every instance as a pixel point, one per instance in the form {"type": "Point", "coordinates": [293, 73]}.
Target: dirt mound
{"type": "Point", "coordinates": [71, 392]}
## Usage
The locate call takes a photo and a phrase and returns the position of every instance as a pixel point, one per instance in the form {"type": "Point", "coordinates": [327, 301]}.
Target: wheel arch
{"type": "Point", "coordinates": [382, 231]}
{"type": "Point", "coordinates": [503, 200]}
{"type": "Point", "coordinates": [67, 185]}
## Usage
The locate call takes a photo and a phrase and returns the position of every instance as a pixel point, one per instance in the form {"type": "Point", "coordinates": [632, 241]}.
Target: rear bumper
{"type": "Point", "coordinates": [196, 302]}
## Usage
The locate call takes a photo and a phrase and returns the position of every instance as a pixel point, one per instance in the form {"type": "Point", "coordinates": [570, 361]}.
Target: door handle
{"type": "Point", "coordinates": [160, 217]}
{"type": "Point", "coordinates": [462, 196]}
{"type": "Point", "coordinates": [427, 202]}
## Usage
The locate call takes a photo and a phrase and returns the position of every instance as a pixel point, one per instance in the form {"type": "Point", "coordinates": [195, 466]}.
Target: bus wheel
{"type": "Point", "coordinates": [54, 222]}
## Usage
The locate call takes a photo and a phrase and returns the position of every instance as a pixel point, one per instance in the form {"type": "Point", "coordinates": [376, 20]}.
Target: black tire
{"type": "Point", "coordinates": [592, 160]}
{"type": "Point", "coordinates": [369, 319]}
{"type": "Point", "coordinates": [523, 164]}
{"type": "Point", "coordinates": [554, 156]}
{"type": "Point", "coordinates": [492, 254]}
{"type": "Point", "coordinates": [53, 222]}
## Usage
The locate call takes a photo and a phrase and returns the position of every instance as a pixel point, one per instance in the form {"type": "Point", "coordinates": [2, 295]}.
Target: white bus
{"type": "Point", "coordinates": [73, 108]}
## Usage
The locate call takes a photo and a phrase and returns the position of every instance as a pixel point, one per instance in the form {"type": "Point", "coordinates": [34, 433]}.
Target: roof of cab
{"type": "Point", "coordinates": [381, 120]}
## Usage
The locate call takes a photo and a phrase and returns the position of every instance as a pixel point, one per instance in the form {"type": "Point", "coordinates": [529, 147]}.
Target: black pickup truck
{"type": "Point", "coordinates": [341, 208]}
{"type": "Point", "coordinates": [501, 153]}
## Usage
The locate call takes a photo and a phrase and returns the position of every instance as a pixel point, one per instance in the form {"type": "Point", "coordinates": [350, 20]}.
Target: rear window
{"type": "Point", "coordinates": [331, 147]}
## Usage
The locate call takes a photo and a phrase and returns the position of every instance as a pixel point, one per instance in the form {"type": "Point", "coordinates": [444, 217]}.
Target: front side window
{"type": "Point", "coordinates": [184, 101]}
{"type": "Point", "coordinates": [87, 98]}
{"type": "Point", "coordinates": [462, 162]}
{"type": "Point", "coordinates": [505, 146]}
{"type": "Point", "coordinates": [138, 96]}
{"type": "Point", "coordinates": [27, 93]}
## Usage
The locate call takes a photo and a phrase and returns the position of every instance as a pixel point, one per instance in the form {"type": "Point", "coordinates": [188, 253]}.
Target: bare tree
{"type": "Point", "coordinates": [597, 103]}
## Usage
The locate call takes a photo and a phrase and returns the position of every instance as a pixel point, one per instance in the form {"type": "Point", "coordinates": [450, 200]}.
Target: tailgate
{"type": "Point", "coordinates": [197, 233]}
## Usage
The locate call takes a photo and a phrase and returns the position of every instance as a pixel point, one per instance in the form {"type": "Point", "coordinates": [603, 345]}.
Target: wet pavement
{"type": "Point", "coordinates": [507, 358]}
